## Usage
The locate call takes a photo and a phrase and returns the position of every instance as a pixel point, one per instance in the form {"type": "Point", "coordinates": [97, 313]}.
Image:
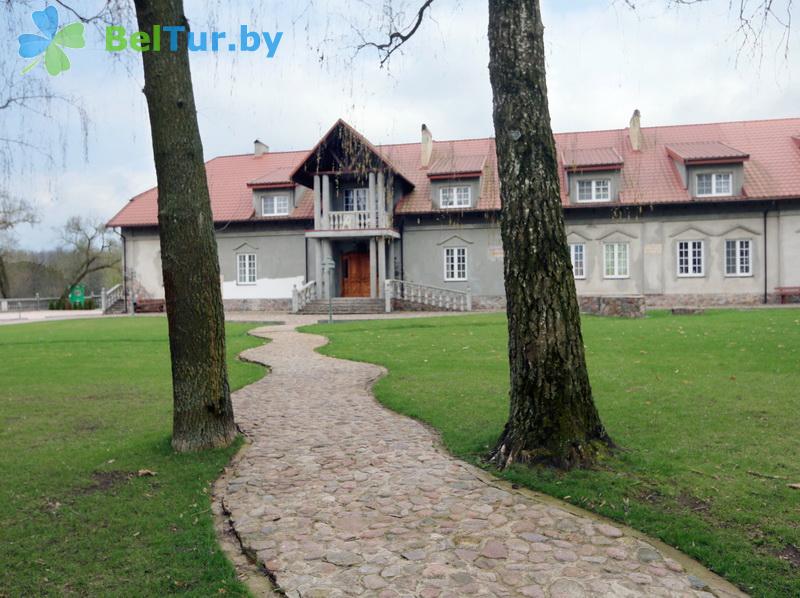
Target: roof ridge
{"type": "Point", "coordinates": [556, 133]}
{"type": "Point", "coordinates": [696, 124]}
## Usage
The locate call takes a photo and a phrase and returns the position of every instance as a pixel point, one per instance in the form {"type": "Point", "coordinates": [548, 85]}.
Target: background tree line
{"type": "Point", "coordinates": [86, 253]}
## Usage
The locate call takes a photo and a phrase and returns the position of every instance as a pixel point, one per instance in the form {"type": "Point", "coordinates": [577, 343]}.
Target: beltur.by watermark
{"type": "Point", "coordinates": [168, 38]}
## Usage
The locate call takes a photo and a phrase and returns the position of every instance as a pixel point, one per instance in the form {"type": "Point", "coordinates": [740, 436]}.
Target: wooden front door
{"type": "Point", "coordinates": [355, 274]}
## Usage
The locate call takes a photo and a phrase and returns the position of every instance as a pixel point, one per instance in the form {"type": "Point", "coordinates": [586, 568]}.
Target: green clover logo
{"type": "Point", "coordinates": [33, 46]}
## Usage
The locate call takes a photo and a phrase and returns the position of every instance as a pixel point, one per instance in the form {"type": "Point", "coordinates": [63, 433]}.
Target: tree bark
{"type": "Point", "coordinates": [552, 419]}
{"type": "Point", "coordinates": [202, 412]}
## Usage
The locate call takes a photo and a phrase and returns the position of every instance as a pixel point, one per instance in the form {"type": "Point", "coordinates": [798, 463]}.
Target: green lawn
{"type": "Point", "coordinates": [696, 402]}
{"type": "Point", "coordinates": [84, 405]}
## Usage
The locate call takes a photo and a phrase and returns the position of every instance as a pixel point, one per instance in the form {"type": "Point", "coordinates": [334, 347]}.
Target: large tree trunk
{"type": "Point", "coordinates": [552, 417]}
{"type": "Point", "coordinates": [203, 413]}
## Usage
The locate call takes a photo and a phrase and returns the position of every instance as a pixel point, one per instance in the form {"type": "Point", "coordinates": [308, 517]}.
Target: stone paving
{"type": "Point", "coordinates": [338, 496]}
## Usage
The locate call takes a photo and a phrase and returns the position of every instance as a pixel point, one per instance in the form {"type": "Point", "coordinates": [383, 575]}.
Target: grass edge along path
{"type": "Point", "coordinates": [678, 393]}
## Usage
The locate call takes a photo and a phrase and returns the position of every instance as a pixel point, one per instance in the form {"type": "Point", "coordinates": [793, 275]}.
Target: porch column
{"type": "Point", "coordinates": [390, 272]}
{"type": "Point", "coordinates": [373, 258]}
{"type": "Point", "coordinates": [326, 201]}
{"type": "Point", "coordinates": [381, 266]}
{"type": "Point", "coordinates": [317, 201]}
{"type": "Point", "coordinates": [381, 201]}
{"type": "Point", "coordinates": [371, 201]}
{"type": "Point", "coordinates": [318, 266]}
{"type": "Point", "coordinates": [327, 253]}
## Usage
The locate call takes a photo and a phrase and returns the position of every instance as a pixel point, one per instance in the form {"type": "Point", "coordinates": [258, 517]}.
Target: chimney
{"type": "Point", "coordinates": [426, 146]}
{"type": "Point", "coordinates": [635, 130]}
{"type": "Point", "coordinates": [259, 149]}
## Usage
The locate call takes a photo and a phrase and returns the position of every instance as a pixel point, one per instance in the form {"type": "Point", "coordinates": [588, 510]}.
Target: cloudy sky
{"type": "Point", "coordinates": [604, 59]}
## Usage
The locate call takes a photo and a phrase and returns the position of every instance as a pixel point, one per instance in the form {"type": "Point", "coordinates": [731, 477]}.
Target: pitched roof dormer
{"type": "Point", "coordinates": [702, 153]}
{"type": "Point", "coordinates": [588, 159]}
{"type": "Point", "coordinates": [457, 167]}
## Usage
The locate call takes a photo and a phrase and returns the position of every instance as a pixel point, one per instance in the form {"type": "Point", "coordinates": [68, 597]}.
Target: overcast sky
{"type": "Point", "coordinates": [603, 60]}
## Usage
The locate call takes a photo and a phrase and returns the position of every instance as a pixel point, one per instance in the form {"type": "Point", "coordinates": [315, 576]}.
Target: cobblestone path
{"type": "Point", "coordinates": [338, 496]}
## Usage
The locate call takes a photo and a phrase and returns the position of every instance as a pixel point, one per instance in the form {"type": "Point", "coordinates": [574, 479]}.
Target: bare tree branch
{"type": "Point", "coordinates": [754, 17]}
{"type": "Point", "coordinates": [92, 245]}
{"type": "Point", "coordinates": [396, 37]}
{"type": "Point", "coordinates": [15, 211]}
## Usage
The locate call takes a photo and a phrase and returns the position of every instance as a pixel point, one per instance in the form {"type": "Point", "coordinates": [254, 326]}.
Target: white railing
{"type": "Point", "coordinates": [301, 296]}
{"type": "Point", "coordinates": [110, 297]}
{"type": "Point", "coordinates": [437, 297]}
{"type": "Point", "coordinates": [350, 220]}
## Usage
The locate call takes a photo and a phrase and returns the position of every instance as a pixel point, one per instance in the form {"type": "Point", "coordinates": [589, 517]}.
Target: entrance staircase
{"type": "Point", "coordinates": [345, 305]}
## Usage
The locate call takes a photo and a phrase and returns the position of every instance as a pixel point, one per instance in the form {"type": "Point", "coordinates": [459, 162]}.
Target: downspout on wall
{"type": "Point", "coordinates": [402, 252]}
{"type": "Point", "coordinates": [124, 269]}
{"type": "Point", "coordinates": [766, 245]}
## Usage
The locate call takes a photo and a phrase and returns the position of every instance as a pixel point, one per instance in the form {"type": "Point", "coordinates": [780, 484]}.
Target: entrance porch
{"type": "Point", "coordinates": [360, 265]}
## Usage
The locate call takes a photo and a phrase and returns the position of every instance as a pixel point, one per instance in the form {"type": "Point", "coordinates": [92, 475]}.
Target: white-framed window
{"type": "Point", "coordinates": [455, 197]}
{"type": "Point", "coordinates": [274, 205]}
{"type": "Point", "coordinates": [246, 268]}
{"type": "Point", "coordinates": [714, 183]}
{"type": "Point", "coordinates": [355, 200]}
{"type": "Point", "coordinates": [691, 258]}
{"type": "Point", "coordinates": [738, 257]}
{"type": "Point", "coordinates": [594, 190]}
{"type": "Point", "coordinates": [455, 263]}
{"type": "Point", "coordinates": [577, 253]}
{"type": "Point", "coordinates": [616, 260]}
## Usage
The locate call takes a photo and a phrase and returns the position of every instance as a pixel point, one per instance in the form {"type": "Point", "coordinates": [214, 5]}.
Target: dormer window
{"type": "Point", "coordinates": [275, 205]}
{"type": "Point", "coordinates": [455, 197]}
{"type": "Point", "coordinates": [594, 190]}
{"type": "Point", "coordinates": [714, 183]}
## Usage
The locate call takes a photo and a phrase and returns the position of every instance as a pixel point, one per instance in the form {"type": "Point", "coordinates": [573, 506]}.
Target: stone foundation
{"type": "Point", "coordinates": [272, 305]}
{"type": "Point", "coordinates": [481, 303]}
{"type": "Point", "coordinates": [403, 305]}
{"type": "Point", "coordinates": [489, 303]}
{"type": "Point", "coordinates": [632, 306]}
{"type": "Point", "coordinates": [707, 300]}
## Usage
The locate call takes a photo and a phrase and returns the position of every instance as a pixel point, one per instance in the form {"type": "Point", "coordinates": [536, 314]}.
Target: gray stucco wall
{"type": "Point", "coordinates": [280, 260]}
{"type": "Point", "coordinates": [423, 255]}
{"type": "Point", "coordinates": [281, 250]}
{"type": "Point", "coordinates": [654, 240]}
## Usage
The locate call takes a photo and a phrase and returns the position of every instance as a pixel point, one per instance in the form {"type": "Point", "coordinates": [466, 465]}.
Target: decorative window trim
{"type": "Point", "coordinates": [595, 194]}
{"type": "Point", "coordinates": [578, 272]}
{"type": "Point", "coordinates": [738, 270]}
{"type": "Point", "coordinates": [690, 249]}
{"type": "Point", "coordinates": [714, 184]}
{"type": "Point", "coordinates": [274, 198]}
{"type": "Point", "coordinates": [461, 197]}
{"type": "Point", "coordinates": [617, 260]}
{"type": "Point", "coordinates": [244, 270]}
{"type": "Point", "coordinates": [355, 197]}
{"type": "Point", "coordinates": [452, 274]}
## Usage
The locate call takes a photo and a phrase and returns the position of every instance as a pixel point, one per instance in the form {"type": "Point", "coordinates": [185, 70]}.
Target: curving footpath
{"type": "Point", "coordinates": [338, 496]}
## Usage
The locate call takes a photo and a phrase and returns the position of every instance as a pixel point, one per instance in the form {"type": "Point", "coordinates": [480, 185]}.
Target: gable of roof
{"type": "Point", "coordinates": [341, 149]}
{"type": "Point", "coordinates": [768, 149]}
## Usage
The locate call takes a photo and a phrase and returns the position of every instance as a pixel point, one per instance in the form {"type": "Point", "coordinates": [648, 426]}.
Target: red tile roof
{"type": "Point", "coordinates": [694, 151]}
{"type": "Point", "coordinates": [275, 176]}
{"type": "Point", "coordinates": [455, 164]}
{"type": "Point", "coordinates": [648, 176]}
{"type": "Point", "coordinates": [576, 158]}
